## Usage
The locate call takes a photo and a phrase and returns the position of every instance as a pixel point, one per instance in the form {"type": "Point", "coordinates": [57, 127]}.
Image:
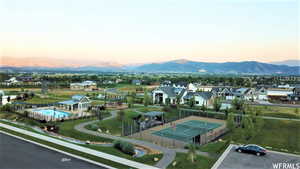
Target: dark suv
{"type": "Point", "coordinates": [252, 149]}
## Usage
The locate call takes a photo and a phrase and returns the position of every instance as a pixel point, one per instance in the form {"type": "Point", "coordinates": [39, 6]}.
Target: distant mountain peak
{"type": "Point", "coordinates": [181, 61]}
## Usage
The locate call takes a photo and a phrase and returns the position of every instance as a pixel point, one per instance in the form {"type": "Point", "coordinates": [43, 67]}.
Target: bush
{"type": "Point", "coordinates": [125, 147]}
{"type": "Point", "coordinates": [94, 127]}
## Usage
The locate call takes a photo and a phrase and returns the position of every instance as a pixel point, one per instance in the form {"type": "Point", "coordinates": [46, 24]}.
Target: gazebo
{"type": "Point", "coordinates": [155, 115]}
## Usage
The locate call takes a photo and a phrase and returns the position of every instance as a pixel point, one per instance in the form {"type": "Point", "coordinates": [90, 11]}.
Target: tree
{"type": "Point", "coordinates": [296, 111]}
{"type": "Point", "coordinates": [249, 130]}
{"type": "Point", "coordinates": [168, 101]}
{"type": "Point", "coordinates": [203, 107]}
{"type": "Point", "coordinates": [177, 101]}
{"type": "Point", "coordinates": [8, 99]}
{"type": "Point", "coordinates": [121, 115]}
{"type": "Point", "coordinates": [130, 101]}
{"type": "Point", "coordinates": [238, 104]}
{"type": "Point", "coordinates": [230, 124]}
{"type": "Point", "coordinates": [217, 104]}
{"type": "Point", "coordinates": [146, 98]}
{"type": "Point", "coordinates": [191, 155]}
{"type": "Point", "coordinates": [192, 101]}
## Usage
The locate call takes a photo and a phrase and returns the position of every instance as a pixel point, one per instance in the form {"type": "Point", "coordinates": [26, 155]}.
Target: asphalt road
{"type": "Point", "coordinates": [19, 154]}
{"type": "Point", "coordinates": [235, 160]}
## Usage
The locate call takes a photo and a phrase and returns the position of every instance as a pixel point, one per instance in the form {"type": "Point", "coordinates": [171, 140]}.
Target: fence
{"type": "Point", "coordinates": [129, 128]}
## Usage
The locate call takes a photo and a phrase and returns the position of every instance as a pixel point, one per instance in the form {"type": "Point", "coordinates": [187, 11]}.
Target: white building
{"type": "Point", "coordinates": [161, 94]}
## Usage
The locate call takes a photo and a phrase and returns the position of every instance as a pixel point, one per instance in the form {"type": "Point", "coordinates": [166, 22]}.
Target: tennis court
{"type": "Point", "coordinates": [192, 129]}
{"type": "Point", "coordinates": [187, 131]}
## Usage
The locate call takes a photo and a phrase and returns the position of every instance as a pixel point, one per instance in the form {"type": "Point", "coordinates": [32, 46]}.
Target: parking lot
{"type": "Point", "coordinates": [19, 154]}
{"type": "Point", "coordinates": [234, 160]}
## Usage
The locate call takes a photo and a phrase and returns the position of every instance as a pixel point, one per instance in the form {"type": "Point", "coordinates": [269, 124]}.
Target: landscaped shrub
{"type": "Point", "coordinates": [125, 147]}
{"type": "Point", "coordinates": [94, 127]}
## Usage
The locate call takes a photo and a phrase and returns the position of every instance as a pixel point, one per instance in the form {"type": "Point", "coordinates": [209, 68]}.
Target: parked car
{"type": "Point", "coordinates": [251, 149]}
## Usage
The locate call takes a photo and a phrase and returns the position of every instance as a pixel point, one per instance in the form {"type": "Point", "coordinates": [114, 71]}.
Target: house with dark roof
{"type": "Point", "coordinates": [201, 98]}
{"type": "Point", "coordinates": [163, 93]}
{"type": "Point", "coordinates": [76, 103]}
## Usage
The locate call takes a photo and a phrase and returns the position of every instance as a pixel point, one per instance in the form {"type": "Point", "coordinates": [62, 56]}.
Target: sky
{"type": "Point", "coordinates": [118, 32]}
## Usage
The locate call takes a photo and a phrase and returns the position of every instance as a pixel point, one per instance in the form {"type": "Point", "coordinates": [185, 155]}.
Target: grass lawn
{"type": "Point", "coordinates": [147, 109]}
{"type": "Point", "coordinates": [67, 129]}
{"type": "Point", "coordinates": [201, 162]}
{"type": "Point", "coordinates": [276, 111]}
{"type": "Point", "coordinates": [217, 147]}
{"type": "Point", "coordinates": [114, 125]}
{"type": "Point", "coordinates": [38, 100]}
{"type": "Point", "coordinates": [279, 134]}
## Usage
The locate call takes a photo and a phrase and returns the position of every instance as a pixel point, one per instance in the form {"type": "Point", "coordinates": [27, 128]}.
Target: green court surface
{"type": "Point", "coordinates": [186, 131]}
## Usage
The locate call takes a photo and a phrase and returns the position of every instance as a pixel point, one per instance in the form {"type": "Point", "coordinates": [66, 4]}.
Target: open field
{"type": "Point", "coordinates": [276, 111]}
{"type": "Point", "coordinates": [280, 135]}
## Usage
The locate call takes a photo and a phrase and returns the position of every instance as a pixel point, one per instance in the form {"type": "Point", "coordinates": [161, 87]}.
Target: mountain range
{"type": "Point", "coordinates": [176, 66]}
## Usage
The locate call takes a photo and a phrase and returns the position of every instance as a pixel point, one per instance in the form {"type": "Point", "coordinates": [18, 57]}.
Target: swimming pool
{"type": "Point", "coordinates": [51, 112]}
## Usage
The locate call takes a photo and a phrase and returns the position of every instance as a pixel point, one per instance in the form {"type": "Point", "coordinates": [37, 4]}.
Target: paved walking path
{"type": "Point", "coordinates": [80, 148]}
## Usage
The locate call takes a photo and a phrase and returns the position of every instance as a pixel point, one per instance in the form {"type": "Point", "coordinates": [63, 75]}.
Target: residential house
{"type": "Point", "coordinates": [77, 103]}
{"type": "Point", "coordinates": [192, 87]}
{"type": "Point", "coordinates": [201, 98]}
{"type": "Point", "coordinates": [280, 93]}
{"type": "Point", "coordinates": [166, 83]}
{"type": "Point", "coordinates": [182, 85]}
{"type": "Point", "coordinates": [261, 93]}
{"type": "Point", "coordinates": [161, 94]}
{"type": "Point", "coordinates": [85, 85]}
{"type": "Point", "coordinates": [241, 93]}
{"type": "Point", "coordinates": [12, 81]}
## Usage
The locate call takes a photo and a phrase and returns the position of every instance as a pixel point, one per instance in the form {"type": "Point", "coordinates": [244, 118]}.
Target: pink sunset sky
{"type": "Point", "coordinates": [77, 33]}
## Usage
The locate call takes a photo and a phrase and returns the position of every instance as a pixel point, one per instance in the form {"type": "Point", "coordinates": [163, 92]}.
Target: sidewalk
{"type": "Point", "coordinates": [80, 148]}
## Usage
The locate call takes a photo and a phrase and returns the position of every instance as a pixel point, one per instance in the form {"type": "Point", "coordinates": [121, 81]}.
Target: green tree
{"type": "Point", "coordinates": [168, 101]}
{"type": "Point", "coordinates": [192, 101]}
{"type": "Point", "coordinates": [249, 130]}
{"type": "Point", "coordinates": [238, 104]}
{"type": "Point", "coordinates": [192, 153]}
{"type": "Point", "coordinates": [130, 101]}
{"type": "Point", "coordinates": [146, 98]}
{"type": "Point", "coordinates": [217, 104]}
{"type": "Point", "coordinates": [178, 101]}
{"type": "Point", "coordinates": [203, 107]}
{"type": "Point", "coordinates": [230, 124]}
{"type": "Point", "coordinates": [296, 111]}
{"type": "Point", "coordinates": [121, 115]}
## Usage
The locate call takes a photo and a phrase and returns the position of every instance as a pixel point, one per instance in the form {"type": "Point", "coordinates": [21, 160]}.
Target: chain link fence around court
{"type": "Point", "coordinates": [187, 132]}
{"type": "Point", "coordinates": [130, 128]}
